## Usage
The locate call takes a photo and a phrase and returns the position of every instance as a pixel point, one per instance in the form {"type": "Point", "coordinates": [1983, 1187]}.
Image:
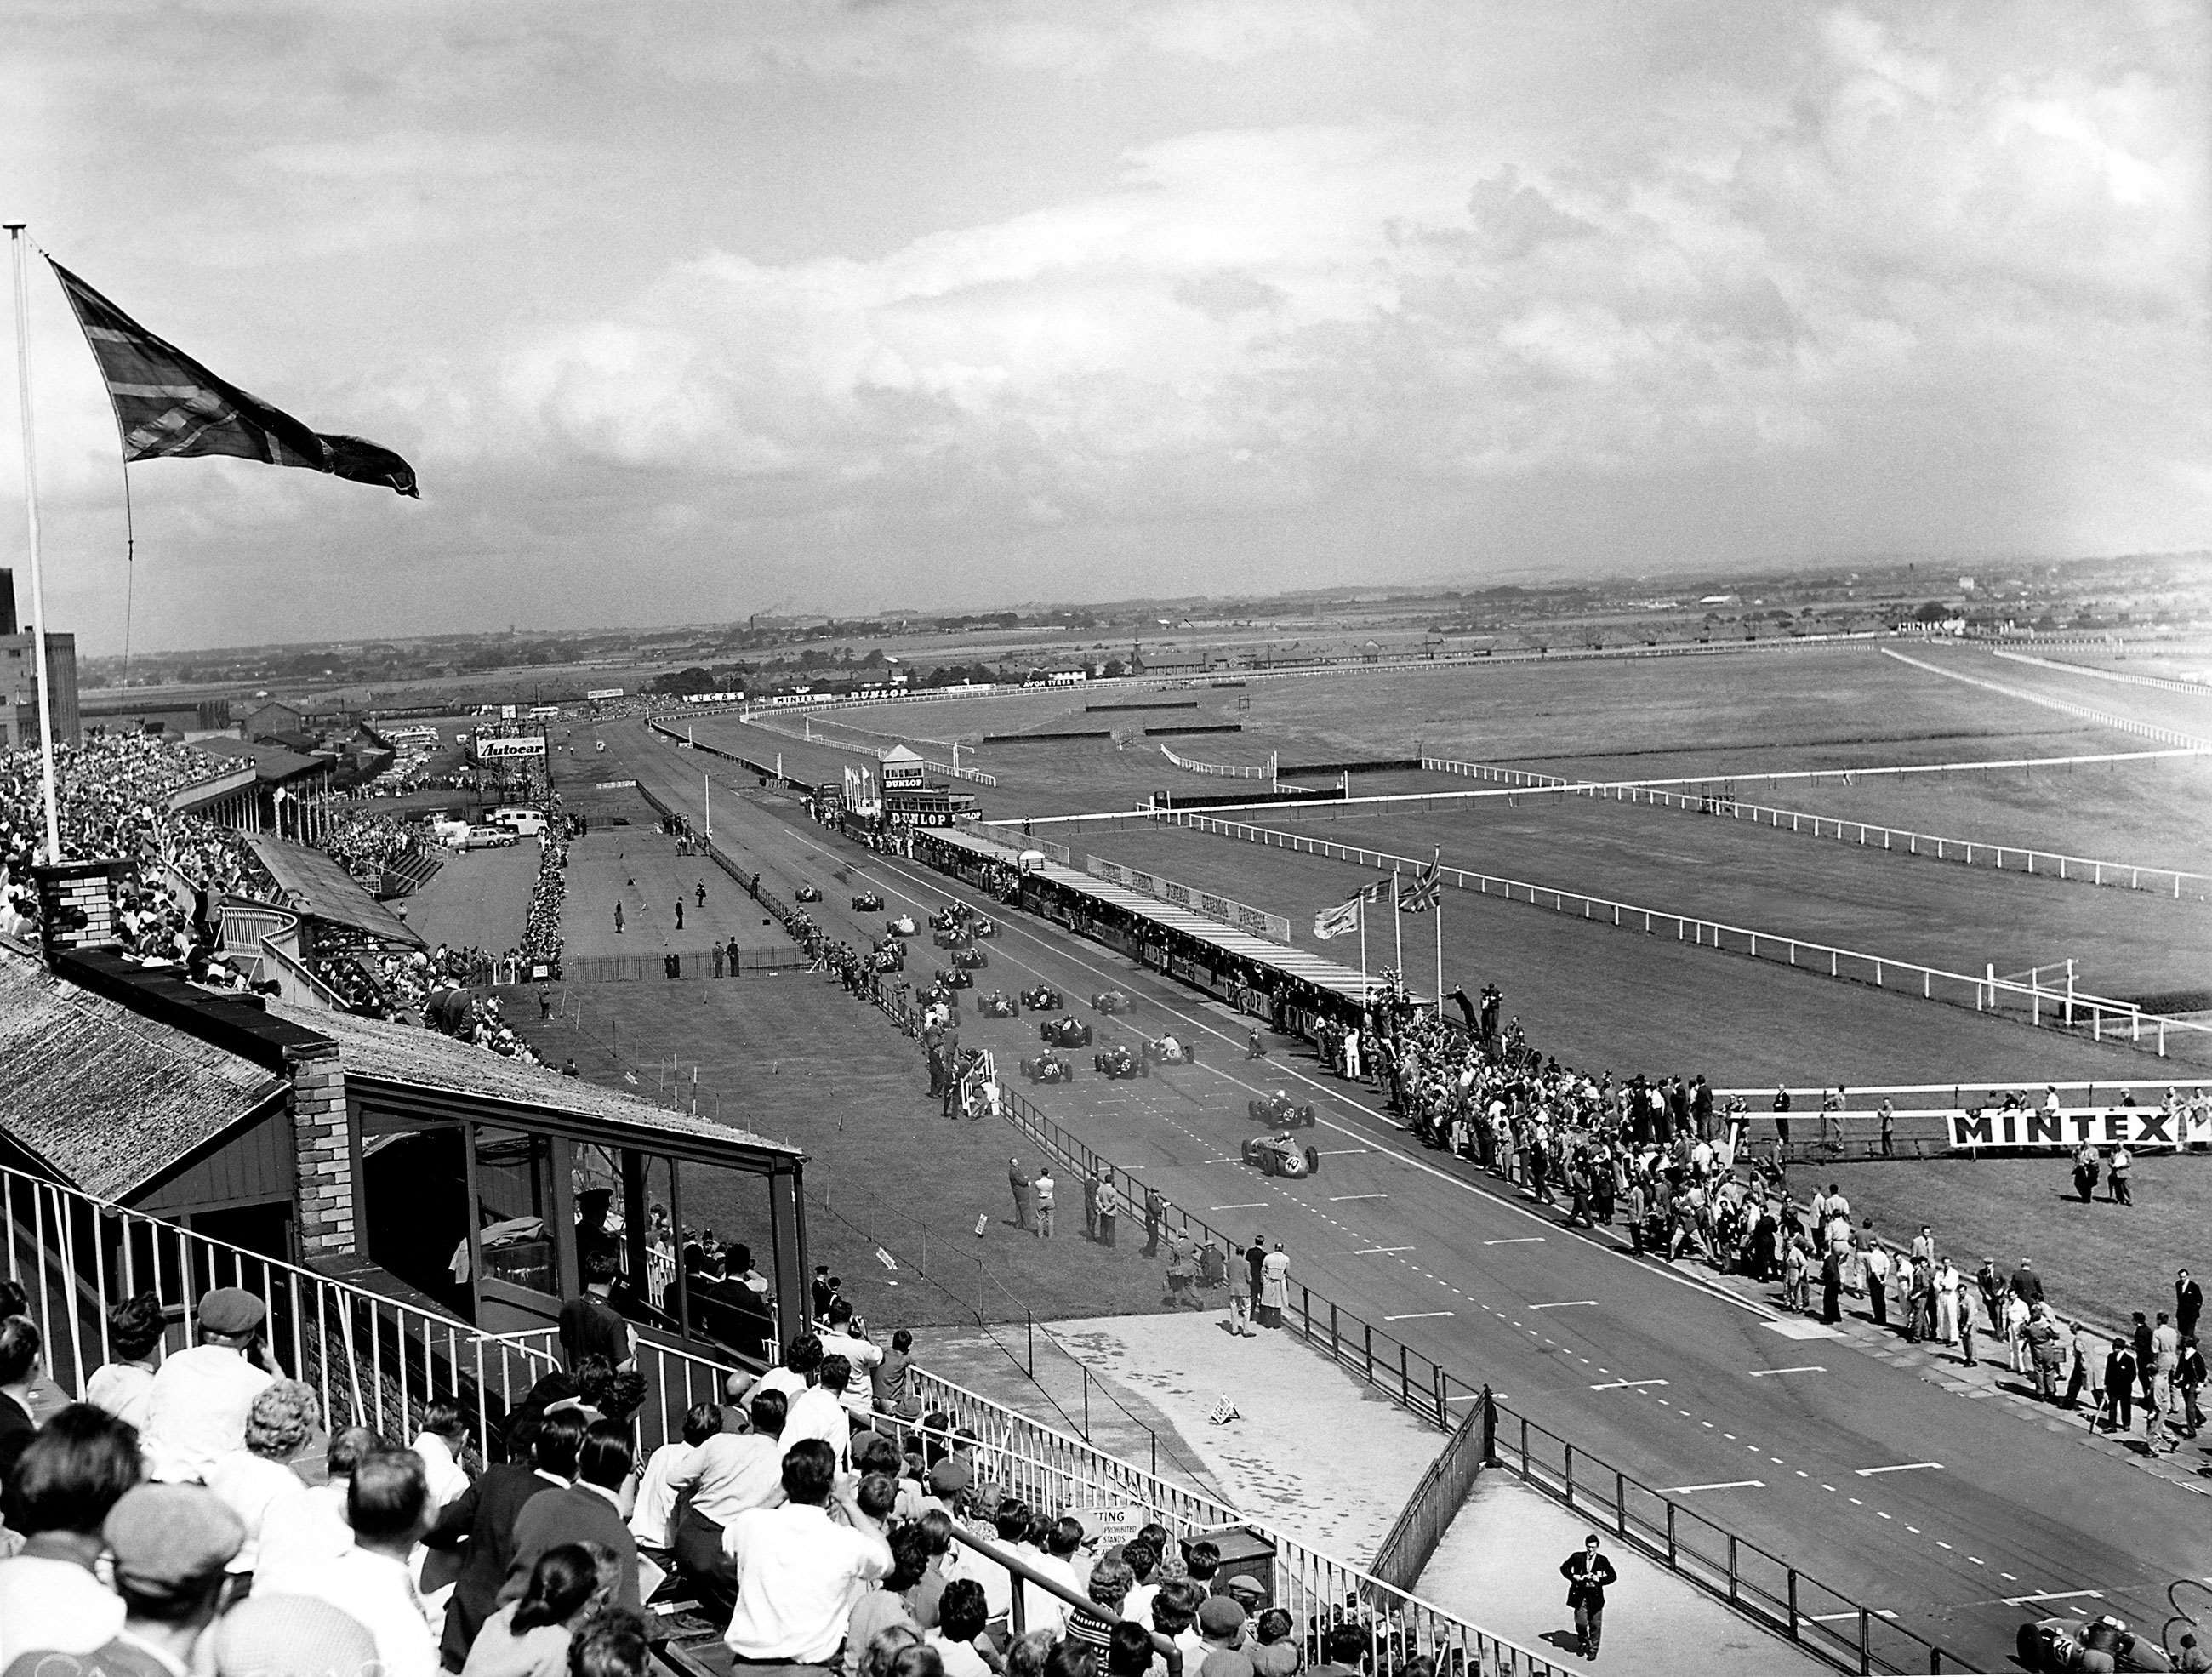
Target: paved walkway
{"type": "Point", "coordinates": [479, 899]}
{"type": "Point", "coordinates": [1498, 1566]}
{"type": "Point", "coordinates": [640, 868]}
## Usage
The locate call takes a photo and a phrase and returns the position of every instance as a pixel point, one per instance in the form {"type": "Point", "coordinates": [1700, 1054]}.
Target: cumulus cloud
{"type": "Point", "coordinates": [1218, 282]}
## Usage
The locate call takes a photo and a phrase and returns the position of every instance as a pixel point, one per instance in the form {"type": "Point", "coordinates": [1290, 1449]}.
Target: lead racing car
{"type": "Point", "coordinates": [1118, 1062]}
{"type": "Point", "coordinates": [1278, 1110]}
{"type": "Point", "coordinates": [866, 903]}
{"type": "Point", "coordinates": [1279, 1155]}
{"type": "Point", "coordinates": [808, 893]}
{"type": "Point", "coordinates": [999, 1005]}
{"type": "Point", "coordinates": [1111, 1001]}
{"type": "Point", "coordinates": [1066, 1032]}
{"type": "Point", "coordinates": [955, 978]}
{"type": "Point", "coordinates": [900, 926]}
{"type": "Point", "coordinates": [1042, 999]}
{"type": "Point", "coordinates": [970, 959]}
{"type": "Point", "coordinates": [1169, 1050]}
{"type": "Point", "coordinates": [1048, 1067]}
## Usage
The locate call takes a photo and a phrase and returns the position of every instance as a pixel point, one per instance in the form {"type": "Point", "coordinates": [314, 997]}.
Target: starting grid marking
{"type": "Point", "coordinates": [1806, 1368]}
{"type": "Point", "coordinates": [1563, 1304]}
{"type": "Point", "coordinates": [1517, 1240]}
{"type": "Point", "coordinates": [1623, 1385]}
{"type": "Point", "coordinates": [1724, 1484]}
{"type": "Point", "coordinates": [1900, 1467]}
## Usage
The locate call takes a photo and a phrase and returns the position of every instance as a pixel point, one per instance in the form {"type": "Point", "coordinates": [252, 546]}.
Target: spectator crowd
{"type": "Point", "coordinates": [193, 1514]}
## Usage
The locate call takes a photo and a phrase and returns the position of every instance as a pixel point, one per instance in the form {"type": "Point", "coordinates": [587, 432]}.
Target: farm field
{"type": "Point", "coordinates": [1857, 898]}
{"type": "Point", "coordinates": [1606, 998]}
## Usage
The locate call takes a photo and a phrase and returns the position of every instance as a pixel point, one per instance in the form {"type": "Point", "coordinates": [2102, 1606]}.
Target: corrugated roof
{"type": "Point", "coordinates": [107, 1098]}
{"type": "Point", "coordinates": [1314, 969]}
{"type": "Point", "coordinates": [271, 763]}
{"type": "Point", "coordinates": [320, 887]}
{"type": "Point", "coordinates": [413, 1054]}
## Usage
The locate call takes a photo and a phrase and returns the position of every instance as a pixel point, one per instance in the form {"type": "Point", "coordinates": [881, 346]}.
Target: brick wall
{"type": "Point", "coordinates": [322, 1138]}
{"type": "Point", "coordinates": [77, 904]}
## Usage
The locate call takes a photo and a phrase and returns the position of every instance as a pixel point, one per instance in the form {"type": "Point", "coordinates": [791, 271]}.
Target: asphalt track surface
{"type": "Point", "coordinates": [1943, 1512]}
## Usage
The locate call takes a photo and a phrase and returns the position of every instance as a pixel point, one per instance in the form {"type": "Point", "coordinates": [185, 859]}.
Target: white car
{"type": "Point", "coordinates": [487, 838]}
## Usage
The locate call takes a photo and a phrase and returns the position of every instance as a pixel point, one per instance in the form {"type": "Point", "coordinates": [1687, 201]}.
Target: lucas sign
{"type": "Point", "coordinates": [2135, 1127]}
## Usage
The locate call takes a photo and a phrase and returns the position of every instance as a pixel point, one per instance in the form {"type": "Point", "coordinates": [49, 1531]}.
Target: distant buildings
{"type": "Point", "coordinates": [19, 681]}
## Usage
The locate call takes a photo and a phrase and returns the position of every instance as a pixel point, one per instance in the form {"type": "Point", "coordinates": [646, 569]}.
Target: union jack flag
{"type": "Point", "coordinates": [1421, 895]}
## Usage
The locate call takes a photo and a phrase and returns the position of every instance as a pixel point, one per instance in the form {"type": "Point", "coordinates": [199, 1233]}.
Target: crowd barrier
{"type": "Point", "coordinates": [2126, 876]}
{"type": "Point", "coordinates": [691, 964]}
{"type": "Point", "coordinates": [2108, 1019]}
{"type": "Point", "coordinates": [2102, 718]}
{"type": "Point", "coordinates": [2165, 684]}
{"type": "Point", "coordinates": [1235, 771]}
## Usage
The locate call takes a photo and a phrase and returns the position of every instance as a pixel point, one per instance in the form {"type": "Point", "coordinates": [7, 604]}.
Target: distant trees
{"type": "Point", "coordinates": [1934, 612]}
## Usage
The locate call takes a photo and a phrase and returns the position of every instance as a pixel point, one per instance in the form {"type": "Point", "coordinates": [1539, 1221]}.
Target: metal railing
{"type": "Point", "coordinates": [691, 964]}
{"type": "Point", "coordinates": [2067, 707]}
{"type": "Point", "coordinates": [2108, 1019]}
{"type": "Point", "coordinates": [1442, 1492]}
{"type": "Point", "coordinates": [1831, 1626]}
{"type": "Point", "coordinates": [2195, 688]}
{"type": "Point", "coordinates": [2044, 864]}
{"type": "Point", "coordinates": [373, 1361]}
{"type": "Point", "coordinates": [1235, 771]}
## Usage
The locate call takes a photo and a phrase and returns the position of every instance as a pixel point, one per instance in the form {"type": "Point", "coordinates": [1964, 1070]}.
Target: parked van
{"type": "Point", "coordinates": [451, 833]}
{"type": "Point", "coordinates": [521, 822]}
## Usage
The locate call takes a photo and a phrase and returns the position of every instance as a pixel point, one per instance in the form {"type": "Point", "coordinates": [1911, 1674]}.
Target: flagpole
{"type": "Point", "coordinates": [1363, 950]}
{"type": "Point", "coordinates": [31, 517]}
{"type": "Point", "coordinates": [1397, 927]}
{"type": "Point", "coordinates": [1436, 871]}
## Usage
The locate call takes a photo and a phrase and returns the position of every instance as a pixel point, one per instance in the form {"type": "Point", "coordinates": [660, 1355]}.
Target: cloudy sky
{"type": "Point", "coordinates": [687, 311]}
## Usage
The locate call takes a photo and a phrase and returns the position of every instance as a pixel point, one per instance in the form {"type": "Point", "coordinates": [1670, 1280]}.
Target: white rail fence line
{"type": "Point", "coordinates": [2198, 688]}
{"type": "Point", "coordinates": [2102, 718]}
{"type": "Point", "coordinates": [2125, 875]}
{"type": "Point", "coordinates": [1984, 992]}
{"type": "Point", "coordinates": [1235, 771]}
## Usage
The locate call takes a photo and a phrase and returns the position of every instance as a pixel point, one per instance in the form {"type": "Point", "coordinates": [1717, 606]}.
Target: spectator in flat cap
{"type": "Point", "coordinates": [290, 1635]}
{"type": "Point", "coordinates": [197, 1407]}
{"type": "Point", "coordinates": [170, 1543]}
{"type": "Point", "coordinates": [68, 1478]}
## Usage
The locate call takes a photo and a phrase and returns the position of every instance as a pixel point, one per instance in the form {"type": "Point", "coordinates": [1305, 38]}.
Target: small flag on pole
{"type": "Point", "coordinates": [167, 405]}
{"type": "Point", "coordinates": [1343, 918]}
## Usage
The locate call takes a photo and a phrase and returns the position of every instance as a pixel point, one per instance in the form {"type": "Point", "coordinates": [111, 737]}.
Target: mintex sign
{"type": "Point", "coordinates": [2134, 1127]}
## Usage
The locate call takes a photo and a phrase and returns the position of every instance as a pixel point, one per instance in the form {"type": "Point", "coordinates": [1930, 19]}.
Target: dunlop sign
{"type": "Point", "coordinates": [2136, 1126]}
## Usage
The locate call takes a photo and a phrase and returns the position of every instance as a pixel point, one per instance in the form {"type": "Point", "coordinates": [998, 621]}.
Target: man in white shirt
{"type": "Point", "coordinates": [652, 1515]}
{"type": "Point", "coordinates": [790, 1376]}
{"type": "Point", "coordinates": [798, 1575]}
{"type": "Point", "coordinates": [440, 1444]}
{"type": "Point", "coordinates": [74, 1471]}
{"type": "Point", "coordinates": [170, 1543]}
{"type": "Point", "coordinates": [389, 1507]}
{"type": "Point", "coordinates": [305, 1527]}
{"type": "Point", "coordinates": [196, 1409]}
{"type": "Point", "coordinates": [819, 1411]}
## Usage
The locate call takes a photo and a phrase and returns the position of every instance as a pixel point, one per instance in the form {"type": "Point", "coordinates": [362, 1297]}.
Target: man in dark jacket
{"type": "Point", "coordinates": [2188, 1305]}
{"type": "Point", "coordinates": [1587, 1573]}
{"type": "Point", "coordinates": [588, 1512]}
{"type": "Point", "coordinates": [483, 1518]}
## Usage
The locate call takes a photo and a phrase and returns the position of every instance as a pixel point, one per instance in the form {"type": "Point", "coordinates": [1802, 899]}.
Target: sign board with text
{"type": "Point", "coordinates": [511, 745]}
{"type": "Point", "coordinates": [2135, 1126]}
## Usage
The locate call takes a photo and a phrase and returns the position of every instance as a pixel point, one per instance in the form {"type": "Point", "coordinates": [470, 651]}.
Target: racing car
{"type": "Point", "coordinates": [982, 928]}
{"type": "Point", "coordinates": [949, 918]}
{"type": "Point", "coordinates": [900, 926]}
{"type": "Point", "coordinates": [940, 992]}
{"type": "Point", "coordinates": [808, 894]}
{"type": "Point", "coordinates": [970, 959]}
{"type": "Point", "coordinates": [1041, 999]}
{"type": "Point", "coordinates": [2058, 1645]}
{"type": "Point", "coordinates": [951, 938]}
{"type": "Point", "coordinates": [1048, 1067]}
{"type": "Point", "coordinates": [1279, 1156]}
{"type": "Point", "coordinates": [999, 1005]}
{"type": "Point", "coordinates": [1170, 1050]}
{"type": "Point", "coordinates": [892, 953]}
{"type": "Point", "coordinates": [866, 903]}
{"type": "Point", "coordinates": [1111, 1001]}
{"type": "Point", "coordinates": [1118, 1062]}
{"type": "Point", "coordinates": [1278, 1110]}
{"type": "Point", "coordinates": [1066, 1032]}
{"type": "Point", "coordinates": [955, 978]}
